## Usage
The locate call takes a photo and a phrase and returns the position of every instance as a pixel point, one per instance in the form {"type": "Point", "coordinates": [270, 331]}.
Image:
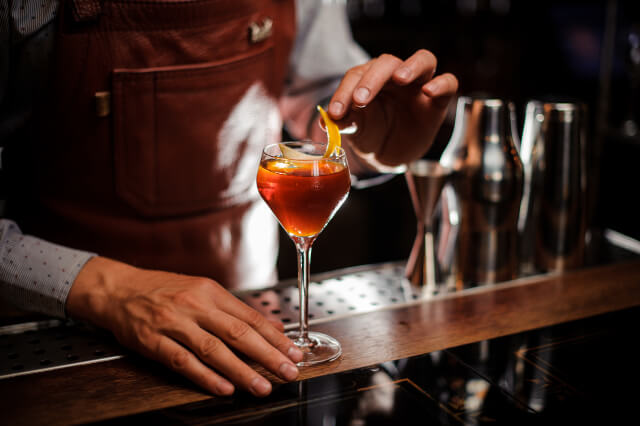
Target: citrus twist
{"type": "Point", "coordinates": [333, 132]}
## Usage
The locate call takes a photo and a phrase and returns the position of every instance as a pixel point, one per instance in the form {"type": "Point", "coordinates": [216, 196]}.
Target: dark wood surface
{"type": "Point", "coordinates": [133, 385]}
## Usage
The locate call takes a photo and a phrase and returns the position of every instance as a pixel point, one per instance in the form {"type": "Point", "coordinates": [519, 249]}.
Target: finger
{"type": "Point", "coordinates": [212, 351]}
{"type": "Point", "coordinates": [444, 85]}
{"type": "Point", "coordinates": [180, 360]}
{"type": "Point", "coordinates": [420, 68]}
{"type": "Point", "coordinates": [374, 78]}
{"type": "Point", "coordinates": [244, 338]}
{"type": "Point", "coordinates": [279, 325]}
{"type": "Point", "coordinates": [341, 99]}
{"type": "Point", "coordinates": [243, 312]}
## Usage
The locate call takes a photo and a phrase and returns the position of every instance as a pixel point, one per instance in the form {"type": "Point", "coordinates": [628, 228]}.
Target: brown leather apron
{"type": "Point", "coordinates": [148, 145]}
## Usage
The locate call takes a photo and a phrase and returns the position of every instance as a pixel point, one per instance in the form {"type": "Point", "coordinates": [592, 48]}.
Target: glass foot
{"type": "Point", "coordinates": [318, 348]}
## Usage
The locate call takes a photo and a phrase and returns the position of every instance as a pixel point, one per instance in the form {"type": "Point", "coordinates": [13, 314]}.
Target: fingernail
{"type": "Point", "coordinates": [336, 108]}
{"type": "Point", "coordinates": [225, 388]}
{"type": "Point", "coordinates": [260, 387]}
{"type": "Point", "coordinates": [433, 87]}
{"type": "Point", "coordinates": [362, 94]}
{"type": "Point", "coordinates": [295, 354]}
{"type": "Point", "coordinates": [404, 73]}
{"type": "Point", "coordinates": [288, 371]}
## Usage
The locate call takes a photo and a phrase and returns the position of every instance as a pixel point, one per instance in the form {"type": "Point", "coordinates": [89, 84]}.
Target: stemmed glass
{"type": "Point", "coordinates": [304, 189]}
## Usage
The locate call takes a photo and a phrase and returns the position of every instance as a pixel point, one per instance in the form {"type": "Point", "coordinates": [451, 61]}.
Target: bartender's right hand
{"type": "Point", "coordinates": [187, 323]}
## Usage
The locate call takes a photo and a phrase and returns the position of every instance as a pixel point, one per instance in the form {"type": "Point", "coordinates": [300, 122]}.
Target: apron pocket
{"type": "Point", "coordinates": [171, 153]}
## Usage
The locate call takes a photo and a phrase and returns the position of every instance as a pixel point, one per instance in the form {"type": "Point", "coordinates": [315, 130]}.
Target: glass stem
{"type": "Point", "coordinates": [303, 247]}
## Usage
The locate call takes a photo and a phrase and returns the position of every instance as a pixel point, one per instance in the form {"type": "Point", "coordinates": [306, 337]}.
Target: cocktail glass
{"type": "Point", "coordinates": [304, 190]}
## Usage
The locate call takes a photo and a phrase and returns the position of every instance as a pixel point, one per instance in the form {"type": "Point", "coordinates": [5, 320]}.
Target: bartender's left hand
{"type": "Point", "coordinates": [398, 106]}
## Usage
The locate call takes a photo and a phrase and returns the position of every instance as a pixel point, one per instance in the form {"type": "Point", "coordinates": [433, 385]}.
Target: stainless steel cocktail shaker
{"type": "Point", "coordinates": [554, 211]}
{"type": "Point", "coordinates": [488, 181]}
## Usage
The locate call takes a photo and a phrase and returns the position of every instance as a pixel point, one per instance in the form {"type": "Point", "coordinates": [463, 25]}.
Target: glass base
{"type": "Point", "coordinates": [318, 348]}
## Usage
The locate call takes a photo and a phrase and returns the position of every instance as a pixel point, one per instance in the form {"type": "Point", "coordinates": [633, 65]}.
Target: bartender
{"type": "Point", "coordinates": [131, 134]}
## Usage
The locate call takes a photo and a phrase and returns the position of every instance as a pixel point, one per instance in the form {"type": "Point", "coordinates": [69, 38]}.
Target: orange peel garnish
{"type": "Point", "coordinates": [333, 133]}
{"type": "Point", "coordinates": [292, 154]}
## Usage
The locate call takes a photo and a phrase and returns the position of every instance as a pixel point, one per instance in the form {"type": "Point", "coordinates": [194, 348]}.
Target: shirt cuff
{"type": "Point", "coordinates": [37, 275]}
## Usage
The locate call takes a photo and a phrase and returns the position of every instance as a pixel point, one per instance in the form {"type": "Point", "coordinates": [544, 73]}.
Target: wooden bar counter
{"type": "Point", "coordinates": [132, 385]}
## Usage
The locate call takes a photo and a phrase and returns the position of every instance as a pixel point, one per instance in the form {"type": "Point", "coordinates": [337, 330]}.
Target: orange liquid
{"type": "Point", "coordinates": [302, 202]}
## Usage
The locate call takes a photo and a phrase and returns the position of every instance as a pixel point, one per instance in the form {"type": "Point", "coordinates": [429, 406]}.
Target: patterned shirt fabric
{"type": "Point", "coordinates": [36, 275]}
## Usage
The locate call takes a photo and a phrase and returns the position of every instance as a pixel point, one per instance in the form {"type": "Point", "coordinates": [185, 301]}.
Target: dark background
{"type": "Point", "coordinates": [518, 50]}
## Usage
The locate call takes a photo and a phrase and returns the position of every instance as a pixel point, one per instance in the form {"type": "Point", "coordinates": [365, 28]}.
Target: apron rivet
{"type": "Point", "coordinates": [103, 103]}
{"type": "Point", "coordinates": [260, 32]}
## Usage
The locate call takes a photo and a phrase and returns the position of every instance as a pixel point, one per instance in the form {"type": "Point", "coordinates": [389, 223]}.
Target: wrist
{"type": "Point", "coordinates": [96, 287]}
{"type": "Point", "coordinates": [366, 164]}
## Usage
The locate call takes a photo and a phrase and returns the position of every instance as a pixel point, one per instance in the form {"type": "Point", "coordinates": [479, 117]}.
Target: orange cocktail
{"type": "Point", "coordinates": [303, 195]}
{"type": "Point", "coordinates": [304, 184]}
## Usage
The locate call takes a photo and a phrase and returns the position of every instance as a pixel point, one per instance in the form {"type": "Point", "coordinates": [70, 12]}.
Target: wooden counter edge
{"type": "Point", "coordinates": [133, 385]}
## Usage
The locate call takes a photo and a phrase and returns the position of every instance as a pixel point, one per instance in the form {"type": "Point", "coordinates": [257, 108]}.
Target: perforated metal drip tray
{"type": "Point", "coordinates": [41, 346]}
{"type": "Point", "coordinates": [337, 294]}
{"type": "Point", "coordinates": [49, 345]}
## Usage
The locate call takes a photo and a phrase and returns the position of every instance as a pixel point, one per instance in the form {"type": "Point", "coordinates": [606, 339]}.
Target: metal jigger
{"type": "Point", "coordinates": [425, 179]}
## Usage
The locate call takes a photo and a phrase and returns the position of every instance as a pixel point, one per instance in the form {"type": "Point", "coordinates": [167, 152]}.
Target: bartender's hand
{"type": "Point", "coordinates": [189, 324]}
{"type": "Point", "coordinates": [397, 105]}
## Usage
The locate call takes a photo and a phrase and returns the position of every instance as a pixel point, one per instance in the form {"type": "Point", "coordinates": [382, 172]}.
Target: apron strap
{"type": "Point", "coordinates": [85, 10]}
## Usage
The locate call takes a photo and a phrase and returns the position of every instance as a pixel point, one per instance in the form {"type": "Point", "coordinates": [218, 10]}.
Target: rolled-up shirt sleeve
{"type": "Point", "coordinates": [36, 275]}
